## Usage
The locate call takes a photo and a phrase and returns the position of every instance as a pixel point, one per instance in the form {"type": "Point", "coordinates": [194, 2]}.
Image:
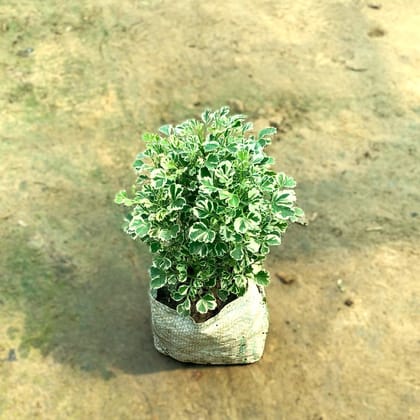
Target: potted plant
{"type": "Point", "coordinates": [209, 207]}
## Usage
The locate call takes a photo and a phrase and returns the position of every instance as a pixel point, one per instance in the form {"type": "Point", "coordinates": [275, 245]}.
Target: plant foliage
{"type": "Point", "coordinates": [209, 207]}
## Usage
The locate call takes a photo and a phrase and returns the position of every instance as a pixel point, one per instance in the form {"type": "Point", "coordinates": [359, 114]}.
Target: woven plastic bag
{"type": "Point", "coordinates": [236, 335]}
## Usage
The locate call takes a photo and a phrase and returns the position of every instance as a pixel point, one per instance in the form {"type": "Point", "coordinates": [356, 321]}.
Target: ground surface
{"type": "Point", "coordinates": [82, 80]}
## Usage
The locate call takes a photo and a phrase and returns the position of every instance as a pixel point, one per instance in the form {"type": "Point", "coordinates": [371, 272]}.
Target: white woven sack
{"type": "Point", "coordinates": [236, 335]}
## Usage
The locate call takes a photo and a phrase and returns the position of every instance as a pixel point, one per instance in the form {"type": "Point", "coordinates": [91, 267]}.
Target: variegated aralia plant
{"type": "Point", "coordinates": [209, 207]}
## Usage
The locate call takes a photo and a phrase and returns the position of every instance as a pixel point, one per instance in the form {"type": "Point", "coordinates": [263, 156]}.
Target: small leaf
{"type": "Point", "coordinates": [184, 307]}
{"type": "Point", "coordinates": [199, 232]}
{"type": "Point", "coordinates": [178, 204]}
{"type": "Point", "coordinates": [175, 191]}
{"type": "Point", "coordinates": [232, 148]}
{"type": "Point", "coordinates": [243, 155]}
{"type": "Point", "coordinates": [171, 279]}
{"type": "Point", "coordinates": [121, 198]}
{"type": "Point", "coordinates": [268, 183]}
{"type": "Point", "coordinates": [269, 131]}
{"type": "Point", "coordinates": [206, 303]}
{"type": "Point", "coordinates": [166, 129]}
{"type": "Point", "coordinates": [138, 164]}
{"type": "Point", "coordinates": [198, 248]}
{"type": "Point", "coordinates": [206, 116]}
{"type": "Point", "coordinates": [284, 197]}
{"type": "Point", "coordinates": [273, 240]}
{"type": "Point", "coordinates": [264, 249]}
{"type": "Point", "coordinates": [211, 145]}
{"type": "Point", "coordinates": [237, 253]}
{"type": "Point", "coordinates": [150, 137]}
{"type": "Point", "coordinates": [262, 278]}
{"type": "Point", "coordinates": [167, 234]}
{"type": "Point", "coordinates": [247, 126]}
{"type": "Point", "coordinates": [158, 178]}
{"type": "Point", "coordinates": [182, 273]}
{"type": "Point", "coordinates": [285, 181]}
{"type": "Point", "coordinates": [201, 306]}
{"type": "Point", "coordinates": [253, 194]}
{"type": "Point", "coordinates": [158, 278]}
{"type": "Point", "coordinates": [223, 294]}
{"type": "Point", "coordinates": [240, 225]}
{"type": "Point", "coordinates": [176, 296]}
{"type": "Point", "coordinates": [175, 229]}
{"type": "Point", "coordinates": [227, 234]}
{"type": "Point", "coordinates": [212, 161]}
{"type": "Point", "coordinates": [154, 247]}
{"type": "Point", "coordinates": [225, 172]}
{"type": "Point", "coordinates": [240, 281]}
{"type": "Point", "coordinates": [162, 263]}
{"type": "Point", "coordinates": [243, 225]}
{"type": "Point", "coordinates": [299, 212]}
{"type": "Point", "coordinates": [254, 217]}
{"type": "Point", "coordinates": [183, 289]}
{"type": "Point", "coordinates": [207, 185]}
{"type": "Point", "coordinates": [211, 301]}
{"type": "Point", "coordinates": [220, 249]}
{"type": "Point", "coordinates": [142, 227]}
{"type": "Point", "coordinates": [283, 211]}
{"type": "Point", "coordinates": [234, 201]}
{"type": "Point", "coordinates": [253, 246]}
{"type": "Point", "coordinates": [224, 195]}
{"type": "Point", "coordinates": [203, 208]}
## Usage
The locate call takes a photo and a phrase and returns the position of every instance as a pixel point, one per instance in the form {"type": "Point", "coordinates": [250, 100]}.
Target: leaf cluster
{"type": "Point", "coordinates": [209, 207]}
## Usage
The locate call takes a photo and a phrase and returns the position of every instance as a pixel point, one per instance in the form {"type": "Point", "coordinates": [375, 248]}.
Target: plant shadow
{"type": "Point", "coordinates": [95, 319]}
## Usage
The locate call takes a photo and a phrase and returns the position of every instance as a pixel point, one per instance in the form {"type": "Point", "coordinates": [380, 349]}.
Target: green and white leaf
{"type": "Point", "coordinates": [253, 246]}
{"type": "Point", "coordinates": [225, 172]}
{"type": "Point", "coordinates": [184, 307]}
{"type": "Point", "coordinates": [158, 278]}
{"type": "Point", "coordinates": [242, 225]}
{"type": "Point", "coordinates": [285, 181]}
{"type": "Point", "coordinates": [226, 233]}
{"type": "Point", "coordinates": [198, 248]}
{"type": "Point", "coordinates": [266, 132]}
{"type": "Point", "coordinates": [199, 232]}
{"type": "Point", "coordinates": [162, 263]}
{"type": "Point", "coordinates": [158, 178]}
{"type": "Point", "coordinates": [168, 233]}
{"type": "Point", "coordinates": [220, 249]}
{"type": "Point", "coordinates": [203, 208]}
{"type": "Point", "coordinates": [206, 303]}
{"type": "Point", "coordinates": [222, 294]}
{"type": "Point", "coordinates": [262, 278]}
{"type": "Point", "coordinates": [121, 198]}
{"type": "Point", "coordinates": [273, 239]}
{"type": "Point", "coordinates": [212, 161]}
{"type": "Point", "coordinates": [166, 129]}
{"type": "Point", "coordinates": [237, 253]}
{"type": "Point", "coordinates": [207, 185]}
{"type": "Point", "coordinates": [140, 226]}
{"type": "Point", "coordinates": [211, 146]}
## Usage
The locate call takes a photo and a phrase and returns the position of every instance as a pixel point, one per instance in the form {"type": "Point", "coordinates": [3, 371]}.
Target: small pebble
{"type": "Point", "coordinates": [374, 5]}
{"type": "Point", "coordinates": [376, 32]}
{"type": "Point", "coordinates": [11, 357]}
{"type": "Point", "coordinates": [25, 53]}
{"type": "Point", "coordinates": [348, 302]}
{"type": "Point", "coordinates": [286, 278]}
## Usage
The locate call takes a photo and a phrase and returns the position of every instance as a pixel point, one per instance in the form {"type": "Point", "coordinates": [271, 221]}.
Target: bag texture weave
{"type": "Point", "coordinates": [236, 335]}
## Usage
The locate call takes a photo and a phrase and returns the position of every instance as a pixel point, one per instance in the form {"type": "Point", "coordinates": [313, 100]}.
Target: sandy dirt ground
{"type": "Point", "coordinates": [82, 80]}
